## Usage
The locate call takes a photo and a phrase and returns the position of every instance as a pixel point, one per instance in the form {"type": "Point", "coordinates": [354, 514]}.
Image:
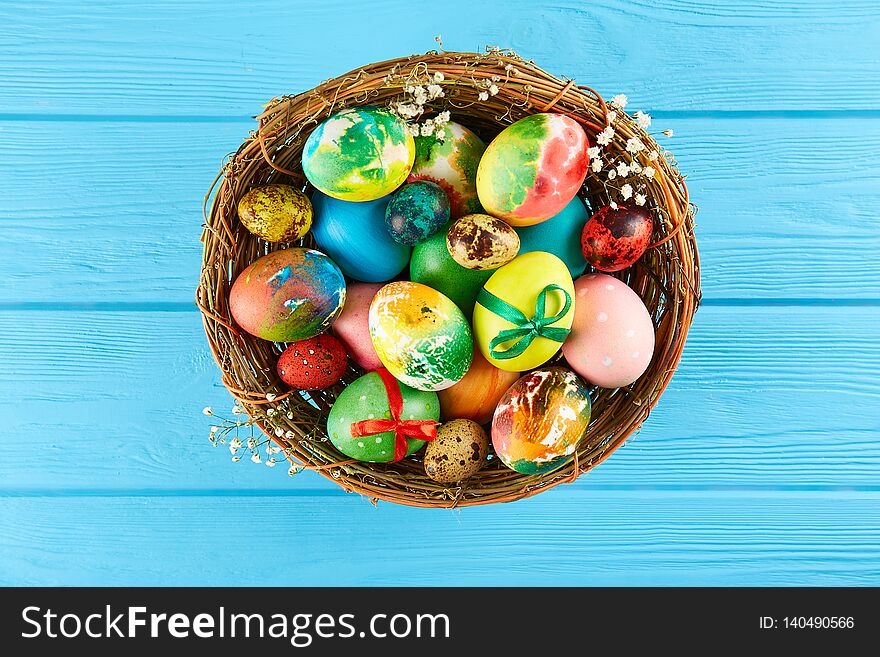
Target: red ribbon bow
{"type": "Point", "coordinates": [403, 429]}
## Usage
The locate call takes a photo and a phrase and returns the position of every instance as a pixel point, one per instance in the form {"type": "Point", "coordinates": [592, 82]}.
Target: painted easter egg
{"type": "Point", "coordinates": [458, 451]}
{"type": "Point", "coordinates": [354, 235]}
{"type": "Point", "coordinates": [359, 154]}
{"type": "Point", "coordinates": [366, 398]}
{"type": "Point", "coordinates": [432, 265]}
{"type": "Point", "coordinates": [612, 336]}
{"type": "Point", "coordinates": [476, 395]}
{"type": "Point", "coordinates": [313, 364]}
{"type": "Point", "coordinates": [352, 327]}
{"type": "Point", "coordinates": [276, 213]}
{"type": "Point", "coordinates": [478, 241]}
{"type": "Point", "coordinates": [421, 336]}
{"type": "Point", "coordinates": [451, 162]}
{"type": "Point", "coordinates": [416, 211]}
{"type": "Point", "coordinates": [614, 239]}
{"type": "Point", "coordinates": [540, 420]}
{"type": "Point", "coordinates": [533, 168]}
{"type": "Point", "coordinates": [288, 295]}
{"type": "Point", "coordinates": [515, 292]}
{"type": "Point", "coordinates": [559, 235]}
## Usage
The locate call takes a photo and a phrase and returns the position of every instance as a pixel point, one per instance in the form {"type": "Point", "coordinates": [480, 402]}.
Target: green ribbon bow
{"type": "Point", "coordinates": [525, 330]}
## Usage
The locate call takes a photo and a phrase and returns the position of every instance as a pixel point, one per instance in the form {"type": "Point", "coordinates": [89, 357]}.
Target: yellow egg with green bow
{"type": "Point", "coordinates": [524, 312]}
{"type": "Point", "coordinates": [420, 336]}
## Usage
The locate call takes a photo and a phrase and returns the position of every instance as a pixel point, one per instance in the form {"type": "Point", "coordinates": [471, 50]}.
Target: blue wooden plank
{"type": "Point", "coordinates": [581, 538]}
{"type": "Point", "coordinates": [784, 397]}
{"type": "Point", "coordinates": [120, 220]}
{"type": "Point", "coordinates": [145, 58]}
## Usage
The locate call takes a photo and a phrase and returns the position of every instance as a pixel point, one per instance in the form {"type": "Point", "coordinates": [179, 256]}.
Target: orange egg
{"type": "Point", "coordinates": [477, 394]}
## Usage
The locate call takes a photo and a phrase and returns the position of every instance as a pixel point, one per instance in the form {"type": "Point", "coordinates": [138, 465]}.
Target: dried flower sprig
{"type": "Point", "coordinates": [624, 177]}
{"type": "Point", "coordinates": [229, 432]}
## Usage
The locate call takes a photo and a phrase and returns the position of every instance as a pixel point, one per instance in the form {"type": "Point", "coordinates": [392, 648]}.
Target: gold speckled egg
{"type": "Point", "coordinates": [276, 213]}
{"type": "Point", "coordinates": [458, 451]}
{"type": "Point", "coordinates": [478, 241]}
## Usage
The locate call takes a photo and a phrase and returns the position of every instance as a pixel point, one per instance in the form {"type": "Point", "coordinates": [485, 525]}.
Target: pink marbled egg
{"type": "Point", "coordinates": [612, 336]}
{"type": "Point", "coordinates": [352, 327]}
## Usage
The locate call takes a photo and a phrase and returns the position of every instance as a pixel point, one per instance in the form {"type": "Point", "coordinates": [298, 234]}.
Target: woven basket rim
{"type": "Point", "coordinates": [667, 278]}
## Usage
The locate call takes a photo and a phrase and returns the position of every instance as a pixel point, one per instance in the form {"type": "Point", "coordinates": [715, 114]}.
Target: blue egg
{"type": "Point", "coordinates": [559, 235]}
{"type": "Point", "coordinates": [355, 237]}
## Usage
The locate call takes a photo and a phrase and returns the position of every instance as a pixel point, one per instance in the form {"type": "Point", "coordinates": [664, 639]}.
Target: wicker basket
{"type": "Point", "coordinates": [666, 278]}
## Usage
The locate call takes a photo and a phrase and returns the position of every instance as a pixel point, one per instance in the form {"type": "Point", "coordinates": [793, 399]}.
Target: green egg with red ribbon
{"type": "Point", "coordinates": [380, 420]}
{"type": "Point", "coordinates": [524, 312]}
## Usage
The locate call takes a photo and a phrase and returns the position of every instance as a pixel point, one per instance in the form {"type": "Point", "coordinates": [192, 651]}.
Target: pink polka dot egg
{"type": "Point", "coordinates": [612, 336]}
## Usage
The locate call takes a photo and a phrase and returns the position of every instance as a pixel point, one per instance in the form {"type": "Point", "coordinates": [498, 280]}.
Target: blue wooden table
{"type": "Point", "coordinates": [759, 466]}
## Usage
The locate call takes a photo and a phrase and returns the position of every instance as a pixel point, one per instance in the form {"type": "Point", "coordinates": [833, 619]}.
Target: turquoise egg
{"type": "Point", "coordinates": [416, 211]}
{"type": "Point", "coordinates": [559, 235]}
{"type": "Point", "coordinates": [354, 235]}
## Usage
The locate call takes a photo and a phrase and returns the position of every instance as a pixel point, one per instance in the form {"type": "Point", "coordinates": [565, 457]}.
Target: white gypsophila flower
{"type": "Point", "coordinates": [640, 199]}
{"type": "Point", "coordinates": [612, 117]}
{"type": "Point", "coordinates": [439, 77]}
{"type": "Point", "coordinates": [408, 110]}
{"type": "Point", "coordinates": [596, 164]}
{"type": "Point", "coordinates": [440, 134]}
{"type": "Point", "coordinates": [236, 442]}
{"type": "Point", "coordinates": [653, 155]}
{"type": "Point", "coordinates": [483, 96]}
{"type": "Point", "coordinates": [215, 429]}
{"type": "Point", "coordinates": [604, 138]}
{"type": "Point", "coordinates": [442, 118]}
{"type": "Point", "coordinates": [648, 172]}
{"type": "Point", "coordinates": [619, 101]}
{"type": "Point", "coordinates": [272, 449]}
{"type": "Point", "coordinates": [435, 91]}
{"type": "Point", "coordinates": [612, 205]}
{"type": "Point", "coordinates": [270, 463]}
{"type": "Point", "coordinates": [293, 470]}
{"type": "Point", "coordinates": [427, 129]}
{"type": "Point", "coordinates": [593, 152]}
{"type": "Point", "coordinates": [668, 133]}
{"type": "Point", "coordinates": [270, 412]}
{"type": "Point", "coordinates": [289, 415]}
{"type": "Point", "coordinates": [412, 129]}
{"type": "Point", "coordinates": [643, 119]}
{"type": "Point", "coordinates": [251, 443]}
{"type": "Point", "coordinates": [622, 169]}
{"type": "Point", "coordinates": [635, 167]}
{"type": "Point", "coordinates": [236, 459]}
{"type": "Point", "coordinates": [634, 145]}
{"type": "Point", "coordinates": [237, 410]}
{"type": "Point", "coordinates": [271, 396]}
{"type": "Point", "coordinates": [207, 410]}
{"type": "Point", "coordinates": [279, 431]}
{"type": "Point", "coordinates": [233, 449]}
{"type": "Point", "coordinates": [255, 457]}
{"type": "Point", "coordinates": [626, 191]}
{"type": "Point", "coordinates": [612, 174]}
{"type": "Point", "coordinates": [493, 89]}
{"type": "Point", "coordinates": [289, 435]}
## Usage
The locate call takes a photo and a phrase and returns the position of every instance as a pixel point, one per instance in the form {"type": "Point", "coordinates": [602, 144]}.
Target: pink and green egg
{"type": "Point", "coordinates": [533, 168]}
{"type": "Point", "coordinates": [359, 154]}
{"type": "Point", "coordinates": [452, 163]}
{"type": "Point", "coordinates": [288, 295]}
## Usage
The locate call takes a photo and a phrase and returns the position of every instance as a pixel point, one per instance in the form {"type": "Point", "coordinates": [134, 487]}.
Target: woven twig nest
{"type": "Point", "coordinates": [666, 277]}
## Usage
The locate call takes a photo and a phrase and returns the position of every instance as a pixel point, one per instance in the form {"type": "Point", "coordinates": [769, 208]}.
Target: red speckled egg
{"type": "Point", "coordinates": [313, 364]}
{"type": "Point", "coordinates": [614, 239]}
